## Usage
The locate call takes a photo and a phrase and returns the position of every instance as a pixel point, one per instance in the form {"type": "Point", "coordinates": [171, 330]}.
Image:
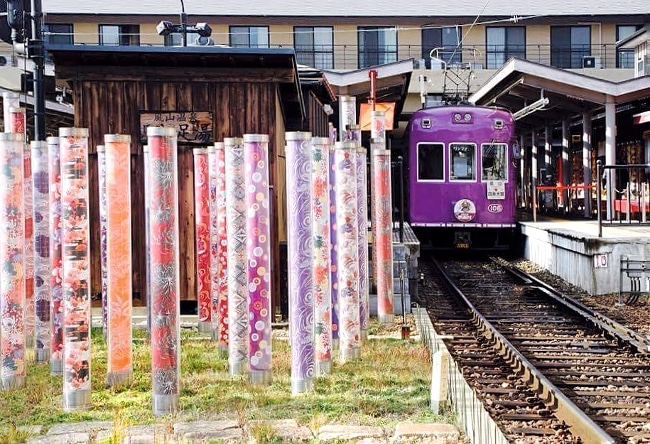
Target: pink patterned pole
{"type": "Point", "coordinates": [56, 257]}
{"type": "Point", "coordinates": [300, 261]}
{"type": "Point", "coordinates": [333, 253]}
{"type": "Point", "coordinates": [221, 282]}
{"type": "Point", "coordinates": [347, 231]}
{"type": "Point", "coordinates": [362, 205]}
{"type": "Point", "coordinates": [103, 214]}
{"type": "Point", "coordinates": [214, 242]}
{"type": "Point", "coordinates": [10, 100]}
{"type": "Point", "coordinates": [382, 222]}
{"type": "Point", "coordinates": [347, 115]}
{"type": "Point", "coordinates": [147, 229]}
{"type": "Point", "coordinates": [202, 237]}
{"type": "Point", "coordinates": [12, 285]}
{"type": "Point", "coordinates": [16, 120]}
{"type": "Point", "coordinates": [238, 328]}
{"type": "Point", "coordinates": [377, 131]}
{"type": "Point", "coordinates": [76, 273]}
{"type": "Point", "coordinates": [41, 209]}
{"type": "Point", "coordinates": [321, 244]}
{"type": "Point", "coordinates": [258, 234]}
{"type": "Point", "coordinates": [164, 262]}
{"type": "Point", "coordinates": [30, 318]}
{"type": "Point", "coordinates": [119, 284]}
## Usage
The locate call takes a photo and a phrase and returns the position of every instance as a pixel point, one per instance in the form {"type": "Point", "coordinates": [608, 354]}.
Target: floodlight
{"type": "Point", "coordinates": [164, 28]}
{"type": "Point", "coordinates": [203, 29]}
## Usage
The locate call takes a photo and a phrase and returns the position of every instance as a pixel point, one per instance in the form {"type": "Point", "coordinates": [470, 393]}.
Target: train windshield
{"type": "Point", "coordinates": [493, 161]}
{"type": "Point", "coordinates": [430, 161]}
{"type": "Point", "coordinates": [462, 162]}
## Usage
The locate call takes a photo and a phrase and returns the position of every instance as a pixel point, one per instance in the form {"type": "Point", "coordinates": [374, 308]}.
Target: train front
{"type": "Point", "coordinates": [462, 177]}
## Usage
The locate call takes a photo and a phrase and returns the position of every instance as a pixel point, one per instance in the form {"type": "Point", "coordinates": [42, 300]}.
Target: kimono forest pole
{"type": "Point", "coordinates": [118, 258]}
{"type": "Point", "coordinates": [165, 285]}
{"type": "Point", "coordinates": [333, 251]}
{"type": "Point", "coordinates": [362, 206]}
{"type": "Point", "coordinates": [41, 209]}
{"type": "Point", "coordinates": [377, 131]}
{"type": "Point", "coordinates": [76, 272]}
{"type": "Point", "coordinates": [16, 122]}
{"type": "Point", "coordinates": [347, 116]}
{"type": "Point", "coordinates": [382, 222]}
{"type": "Point", "coordinates": [320, 203]}
{"type": "Point", "coordinates": [10, 100]}
{"type": "Point", "coordinates": [300, 261]}
{"type": "Point", "coordinates": [258, 234]}
{"type": "Point", "coordinates": [56, 264]}
{"type": "Point", "coordinates": [29, 247]}
{"type": "Point", "coordinates": [147, 231]}
{"type": "Point", "coordinates": [222, 246]}
{"type": "Point", "coordinates": [238, 337]}
{"type": "Point", "coordinates": [347, 231]}
{"type": "Point", "coordinates": [12, 286]}
{"type": "Point", "coordinates": [103, 212]}
{"type": "Point", "coordinates": [202, 230]}
{"type": "Point", "coordinates": [213, 236]}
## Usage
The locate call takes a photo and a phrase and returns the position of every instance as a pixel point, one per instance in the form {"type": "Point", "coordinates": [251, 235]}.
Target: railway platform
{"type": "Point", "coordinates": [614, 258]}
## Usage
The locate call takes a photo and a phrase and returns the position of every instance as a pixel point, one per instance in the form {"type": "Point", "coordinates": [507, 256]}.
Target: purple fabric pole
{"type": "Point", "coordinates": [300, 261]}
{"type": "Point", "coordinates": [362, 203]}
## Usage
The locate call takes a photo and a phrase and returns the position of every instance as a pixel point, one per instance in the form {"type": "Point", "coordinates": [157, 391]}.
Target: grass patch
{"type": "Point", "coordinates": [390, 383]}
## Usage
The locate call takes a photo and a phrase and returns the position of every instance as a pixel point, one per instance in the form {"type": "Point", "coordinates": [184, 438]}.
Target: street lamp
{"type": "Point", "coordinates": [165, 27]}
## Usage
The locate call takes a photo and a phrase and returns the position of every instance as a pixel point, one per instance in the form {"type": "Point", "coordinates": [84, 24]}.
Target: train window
{"type": "Point", "coordinates": [494, 161]}
{"type": "Point", "coordinates": [462, 162]}
{"type": "Point", "coordinates": [430, 161]}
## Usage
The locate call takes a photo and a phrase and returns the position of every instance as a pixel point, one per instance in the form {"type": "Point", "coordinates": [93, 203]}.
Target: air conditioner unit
{"type": "Point", "coordinates": [591, 62]}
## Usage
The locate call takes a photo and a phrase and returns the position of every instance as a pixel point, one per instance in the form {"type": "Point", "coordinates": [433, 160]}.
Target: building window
{"type": "Point", "coordinates": [569, 46]}
{"type": "Point", "coordinates": [503, 43]}
{"type": "Point", "coordinates": [494, 161]}
{"type": "Point", "coordinates": [174, 39]}
{"type": "Point", "coordinates": [377, 45]}
{"type": "Point", "coordinates": [314, 46]}
{"type": "Point", "coordinates": [445, 41]}
{"type": "Point", "coordinates": [430, 161]}
{"type": "Point", "coordinates": [57, 34]}
{"type": "Point", "coordinates": [119, 35]}
{"type": "Point", "coordinates": [462, 163]}
{"type": "Point", "coordinates": [625, 57]}
{"type": "Point", "coordinates": [249, 36]}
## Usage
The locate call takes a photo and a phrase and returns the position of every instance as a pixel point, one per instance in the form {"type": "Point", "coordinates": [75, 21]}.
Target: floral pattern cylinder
{"type": "Point", "coordinates": [214, 241]}
{"type": "Point", "coordinates": [56, 264]}
{"type": "Point", "coordinates": [382, 221]}
{"type": "Point", "coordinates": [320, 204]}
{"type": "Point", "coordinates": [300, 261]}
{"type": "Point", "coordinates": [12, 285]}
{"type": "Point", "coordinates": [333, 253]}
{"type": "Point", "coordinates": [238, 339]}
{"type": "Point", "coordinates": [202, 237]}
{"type": "Point", "coordinates": [362, 205]}
{"type": "Point", "coordinates": [118, 258]}
{"type": "Point", "coordinates": [103, 212]}
{"type": "Point", "coordinates": [347, 115]}
{"type": "Point", "coordinates": [164, 269]}
{"type": "Point", "coordinates": [347, 232]}
{"type": "Point", "coordinates": [218, 170]}
{"type": "Point", "coordinates": [41, 209]}
{"type": "Point", "coordinates": [10, 100]}
{"type": "Point", "coordinates": [258, 235]}
{"type": "Point", "coordinates": [30, 318]}
{"type": "Point", "coordinates": [76, 270]}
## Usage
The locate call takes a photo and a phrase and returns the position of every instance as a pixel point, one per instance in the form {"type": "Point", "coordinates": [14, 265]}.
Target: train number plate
{"type": "Point", "coordinates": [462, 245]}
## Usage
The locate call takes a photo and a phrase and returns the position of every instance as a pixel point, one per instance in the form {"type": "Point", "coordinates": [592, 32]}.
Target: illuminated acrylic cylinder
{"type": "Point", "coordinates": [29, 247]}
{"type": "Point", "coordinates": [258, 241]}
{"type": "Point", "coordinates": [202, 237]}
{"type": "Point", "coordinates": [237, 267]}
{"type": "Point", "coordinates": [378, 124]}
{"type": "Point", "coordinates": [347, 115]}
{"type": "Point", "coordinates": [300, 261]}
{"type": "Point", "coordinates": [214, 242]}
{"type": "Point", "coordinates": [103, 212]}
{"type": "Point", "coordinates": [164, 269]}
{"type": "Point", "coordinates": [333, 253]}
{"type": "Point", "coordinates": [218, 169]}
{"type": "Point", "coordinates": [76, 272]}
{"type": "Point", "coordinates": [118, 258]}
{"type": "Point", "coordinates": [362, 206]}
{"type": "Point", "coordinates": [382, 222]}
{"type": "Point", "coordinates": [56, 258]}
{"type": "Point", "coordinates": [16, 120]}
{"type": "Point", "coordinates": [41, 209]}
{"type": "Point", "coordinates": [12, 285]}
{"type": "Point", "coordinates": [10, 100]}
{"type": "Point", "coordinates": [347, 232]}
{"type": "Point", "coordinates": [147, 229]}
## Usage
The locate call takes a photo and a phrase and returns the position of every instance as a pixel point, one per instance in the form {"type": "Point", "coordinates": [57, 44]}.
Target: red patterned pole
{"type": "Point", "coordinates": [56, 264]}
{"type": "Point", "coordinates": [164, 254]}
{"type": "Point", "coordinates": [103, 213]}
{"type": "Point", "coordinates": [118, 258]}
{"type": "Point", "coordinates": [16, 121]}
{"type": "Point", "coordinates": [29, 247]}
{"type": "Point", "coordinates": [202, 237]}
{"type": "Point", "coordinates": [76, 273]}
{"type": "Point", "coordinates": [12, 285]}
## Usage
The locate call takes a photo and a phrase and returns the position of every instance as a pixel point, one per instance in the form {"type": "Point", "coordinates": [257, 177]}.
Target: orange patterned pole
{"type": "Point", "coordinates": [118, 257]}
{"type": "Point", "coordinates": [202, 237]}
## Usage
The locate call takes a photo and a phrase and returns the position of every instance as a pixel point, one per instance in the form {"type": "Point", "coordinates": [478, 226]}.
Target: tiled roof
{"type": "Point", "coordinates": [339, 8]}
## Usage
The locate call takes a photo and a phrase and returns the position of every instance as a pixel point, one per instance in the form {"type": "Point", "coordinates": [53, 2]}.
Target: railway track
{"type": "Point", "coordinates": [547, 368]}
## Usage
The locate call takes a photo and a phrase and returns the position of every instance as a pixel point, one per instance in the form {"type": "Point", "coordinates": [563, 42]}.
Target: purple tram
{"type": "Point", "coordinates": [461, 177]}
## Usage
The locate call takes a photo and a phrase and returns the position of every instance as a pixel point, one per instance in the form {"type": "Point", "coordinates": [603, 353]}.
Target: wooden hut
{"type": "Point", "coordinates": [231, 91]}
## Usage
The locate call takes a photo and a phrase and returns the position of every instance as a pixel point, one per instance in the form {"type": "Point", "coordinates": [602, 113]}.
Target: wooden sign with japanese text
{"type": "Point", "coordinates": [192, 127]}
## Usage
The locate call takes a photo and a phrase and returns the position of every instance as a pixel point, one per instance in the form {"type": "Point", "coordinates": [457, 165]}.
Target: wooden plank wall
{"type": "Point", "coordinates": [113, 107]}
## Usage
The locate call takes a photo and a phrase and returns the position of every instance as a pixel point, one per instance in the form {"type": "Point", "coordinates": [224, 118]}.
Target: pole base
{"type": "Point", "coordinates": [335, 345]}
{"type": "Point", "coordinates": [205, 327]}
{"type": "Point", "coordinates": [56, 366]}
{"type": "Point", "coordinates": [324, 367]}
{"type": "Point", "coordinates": [13, 382]}
{"type": "Point", "coordinates": [165, 404]}
{"type": "Point", "coordinates": [299, 386]}
{"type": "Point", "coordinates": [223, 351]}
{"type": "Point", "coordinates": [386, 319]}
{"type": "Point", "coordinates": [261, 377]}
{"type": "Point", "coordinates": [363, 335]}
{"type": "Point", "coordinates": [42, 354]}
{"type": "Point", "coordinates": [348, 354]}
{"type": "Point", "coordinates": [118, 379]}
{"type": "Point", "coordinates": [238, 368]}
{"type": "Point", "coordinates": [75, 400]}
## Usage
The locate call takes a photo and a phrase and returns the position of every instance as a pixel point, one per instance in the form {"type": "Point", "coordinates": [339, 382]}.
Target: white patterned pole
{"type": "Point", "coordinates": [41, 210]}
{"type": "Point", "coordinates": [362, 205]}
{"type": "Point", "coordinates": [119, 282]}
{"type": "Point", "coordinates": [76, 272]}
{"type": "Point", "coordinates": [377, 131]}
{"type": "Point", "coordinates": [202, 238]}
{"type": "Point", "coordinates": [333, 251]}
{"type": "Point", "coordinates": [382, 223]}
{"type": "Point", "coordinates": [347, 116]}
{"type": "Point", "coordinates": [164, 267]}
{"type": "Point", "coordinates": [103, 214]}
{"type": "Point", "coordinates": [321, 244]}
{"type": "Point", "coordinates": [238, 333]}
{"type": "Point", "coordinates": [56, 264]}
{"type": "Point", "coordinates": [300, 261]}
{"type": "Point", "coordinates": [347, 231]}
{"type": "Point", "coordinates": [13, 345]}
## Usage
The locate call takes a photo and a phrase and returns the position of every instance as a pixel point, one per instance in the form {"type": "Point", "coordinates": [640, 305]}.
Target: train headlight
{"type": "Point", "coordinates": [458, 117]}
{"type": "Point", "coordinates": [467, 117]}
